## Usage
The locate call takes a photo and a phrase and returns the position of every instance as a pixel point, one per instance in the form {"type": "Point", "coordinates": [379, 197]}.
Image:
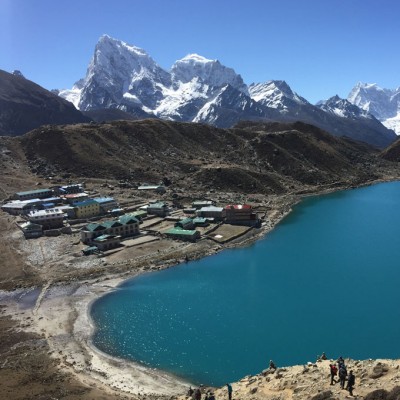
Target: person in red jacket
{"type": "Point", "coordinates": [333, 373]}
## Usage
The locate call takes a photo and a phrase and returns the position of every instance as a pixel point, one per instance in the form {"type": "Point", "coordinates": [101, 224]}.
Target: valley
{"type": "Point", "coordinates": [271, 166]}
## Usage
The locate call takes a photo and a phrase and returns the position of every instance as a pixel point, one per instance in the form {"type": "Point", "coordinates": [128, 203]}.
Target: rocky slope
{"type": "Point", "coordinates": [375, 379]}
{"type": "Point", "coordinates": [392, 152]}
{"type": "Point", "coordinates": [250, 158]}
{"type": "Point", "coordinates": [25, 105]}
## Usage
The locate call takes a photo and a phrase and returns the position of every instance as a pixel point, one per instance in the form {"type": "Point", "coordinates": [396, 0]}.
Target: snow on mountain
{"type": "Point", "coordinates": [124, 77]}
{"type": "Point", "coordinates": [121, 76]}
{"type": "Point", "coordinates": [393, 123]}
{"type": "Point", "coordinates": [275, 94]}
{"type": "Point", "coordinates": [343, 108]}
{"type": "Point", "coordinates": [229, 106]}
{"type": "Point", "coordinates": [210, 72]}
{"type": "Point", "coordinates": [73, 95]}
{"type": "Point", "coordinates": [183, 101]}
{"type": "Point", "coordinates": [384, 104]}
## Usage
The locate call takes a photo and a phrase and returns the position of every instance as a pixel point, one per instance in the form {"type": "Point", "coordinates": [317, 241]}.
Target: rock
{"type": "Point", "coordinates": [379, 370]}
{"type": "Point", "coordinates": [327, 395]}
{"type": "Point", "coordinates": [379, 394]}
{"type": "Point", "coordinates": [253, 390]}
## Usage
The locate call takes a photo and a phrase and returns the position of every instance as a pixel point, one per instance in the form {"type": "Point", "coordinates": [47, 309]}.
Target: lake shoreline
{"type": "Point", "coordinates": [61, 314]}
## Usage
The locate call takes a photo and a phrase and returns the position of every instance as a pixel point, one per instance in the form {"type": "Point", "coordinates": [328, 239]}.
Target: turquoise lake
{"type": "Point", "coordinates": [326, 279]}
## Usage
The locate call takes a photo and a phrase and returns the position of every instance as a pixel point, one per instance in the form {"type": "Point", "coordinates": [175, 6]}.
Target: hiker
{"type": "Point", "coordinates": [211, 396]}
{"type": "Point", "coordinates": [350, 383]}
{"type": "Point", "coordinates": [342, 375]}
{"type": "Point", "coordinates": [333, 373]}
{"type": "Point", "coordinates": [229, 391]}
{"type": "Point", "coordinates": [323, 356]}
{"type": "Point", "coordinates": [272, 365]}
{"type": "Point", "coordinates": [197, 394]}
{"type": "Point", "coordinates": [340, 362]}
{"type": "Point", "coordinates": [190, 391]}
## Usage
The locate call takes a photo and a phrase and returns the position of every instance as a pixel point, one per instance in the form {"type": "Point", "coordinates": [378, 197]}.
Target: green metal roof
{"type": "Point", "coordinates": [138, 213]}
{"type": "Point", "coordinates": [92, 227]}
{"type": "Point", "coordinates": [186, 221]}
{"type": "Point", "coordinates": [126, 219]}
{"type": "Point", "coordinates": [180, 231]}
{"type": "Point", "coordinates": [199, 220]}
{"type": "Point", "coordinates": [111, 224]}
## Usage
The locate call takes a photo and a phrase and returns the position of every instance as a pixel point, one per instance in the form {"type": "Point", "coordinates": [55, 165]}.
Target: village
{"type": "Point", "coordinates": [106, 225]}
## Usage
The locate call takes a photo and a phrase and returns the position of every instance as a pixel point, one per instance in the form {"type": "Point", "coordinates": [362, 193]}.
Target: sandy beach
{"type": "Point", "coordinates": [61, 314]}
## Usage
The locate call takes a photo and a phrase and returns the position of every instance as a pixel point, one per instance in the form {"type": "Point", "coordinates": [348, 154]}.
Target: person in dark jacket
{"type": "Point", "coordinates": [340, 362]}
{"type": "Point", "coordinates": [229, 387]}
{"type": "Point", "coordinates": [342, 375]}
{"type": "Point", "coordinates": [197, 394]}
{"type": "Point", "coordinates": [350, 383]}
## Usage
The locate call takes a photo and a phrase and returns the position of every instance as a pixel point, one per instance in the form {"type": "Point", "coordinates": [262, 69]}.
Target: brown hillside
{"type": "Point", "coordinates": [250, 158]}
{"type": "Point", "coordinates": [392, 153]}
{"type": "Point", "coordinates": [24, 105]}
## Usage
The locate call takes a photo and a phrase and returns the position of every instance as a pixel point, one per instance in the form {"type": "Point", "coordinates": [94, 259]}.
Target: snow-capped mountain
{"type": "Point", "coordinates": [384, 104]}
{"type": "Point", "coordinates": [276, 94]}
{"type": "Point", "coordinates": [122, 76]}
{"type": "Point", "coordinates": [343, 108]}
{"type": "Point", "coordinates": [362, 125]}
{"type": "Point", "coordinates": [196, 89]}
{"type": "Point", "coordinates": [209, 72]}
{"type": "Point", "coordinates": [231, 105]}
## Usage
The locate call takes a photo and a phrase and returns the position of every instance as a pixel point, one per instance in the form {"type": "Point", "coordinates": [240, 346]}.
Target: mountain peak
{"type": "Point", "coordinates": [196, 58]}
{"type": "Point", "coordinates": [275, 94]}
{"type": "Point", "coordinates": [107, 42]}
{"type": "Point", "coordinates": [343, 108]}
{"type": "Point", "coordinates": [381, 103]}
{"type": "Point", "coordinates": [209, 72]}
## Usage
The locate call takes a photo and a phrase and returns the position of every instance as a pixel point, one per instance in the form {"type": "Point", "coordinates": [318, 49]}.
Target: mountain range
{"type": "Point", "coordinates": [196, 89]}
{"type": "Point", "coordinates": [124, 82]}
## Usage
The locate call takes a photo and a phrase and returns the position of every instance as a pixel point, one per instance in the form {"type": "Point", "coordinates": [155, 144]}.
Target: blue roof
{"type": "Point", "coordinates": [85, 203]}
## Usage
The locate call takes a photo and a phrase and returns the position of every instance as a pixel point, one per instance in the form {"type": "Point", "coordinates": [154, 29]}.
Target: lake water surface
{"type": "Point", "coordinates": [326, 279]}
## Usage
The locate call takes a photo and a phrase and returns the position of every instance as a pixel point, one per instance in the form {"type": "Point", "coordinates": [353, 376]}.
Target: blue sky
{"type": "Point", "coordinates": [320, 47]}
